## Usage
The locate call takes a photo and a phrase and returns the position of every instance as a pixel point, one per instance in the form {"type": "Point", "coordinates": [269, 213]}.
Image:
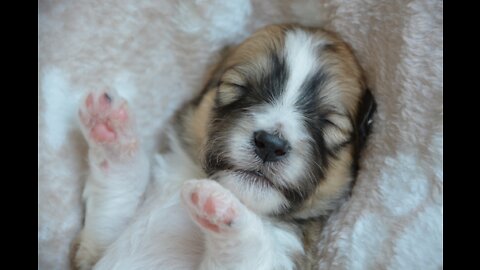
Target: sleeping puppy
{"type": "Point", "coordinates": [253, 166]}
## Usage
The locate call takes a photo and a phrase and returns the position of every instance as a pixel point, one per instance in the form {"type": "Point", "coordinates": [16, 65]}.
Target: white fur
{"type": "Point", "coordinates": [162, 236]}
{"type": "Point", "coordinates": [302, 61]}
{"type": "Point", "coordinates": [261, 198]}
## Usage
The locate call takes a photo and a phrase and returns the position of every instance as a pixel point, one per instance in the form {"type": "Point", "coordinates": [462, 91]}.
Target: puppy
{"type": "Point", "coordinates": [253, 167]}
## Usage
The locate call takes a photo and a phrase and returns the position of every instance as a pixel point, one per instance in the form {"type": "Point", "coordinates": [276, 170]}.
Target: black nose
{"type": "Point", "coordinates": [269, 147]}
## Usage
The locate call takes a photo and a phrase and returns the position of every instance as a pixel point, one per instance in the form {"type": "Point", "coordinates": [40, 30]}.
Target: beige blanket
{"type": "Point", "coordinates": [155, 53]}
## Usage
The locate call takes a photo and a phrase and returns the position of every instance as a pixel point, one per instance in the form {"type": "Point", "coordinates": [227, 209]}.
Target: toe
{"type": "Point", "coordinates": [120, 114]}
{"type": "Point", "coordinates": [209, 206]}
{"type": "Point", "coordinates": [104, 102]}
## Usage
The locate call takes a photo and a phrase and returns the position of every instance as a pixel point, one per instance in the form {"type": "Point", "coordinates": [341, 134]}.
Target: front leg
{"type": "Point", "coordinates": [119, 173]}
{"type": "Point", "coordinates": [236, 238]}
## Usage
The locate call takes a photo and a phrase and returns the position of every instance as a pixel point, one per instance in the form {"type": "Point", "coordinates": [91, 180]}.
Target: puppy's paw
{"type": "Point", "coordinates": [85, 254]}
{"type": "Point", "coordinates": [211, 206]}
{"type": "Point", "coordinates": [83, 261]}
{"type": "Point", "coordinates": [107, 123]}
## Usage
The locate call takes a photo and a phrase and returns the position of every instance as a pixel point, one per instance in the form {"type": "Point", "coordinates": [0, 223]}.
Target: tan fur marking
{"type": "Point", "coordinates": [198, 122]}
{"type": "Point", "coordinates": [334, 186]}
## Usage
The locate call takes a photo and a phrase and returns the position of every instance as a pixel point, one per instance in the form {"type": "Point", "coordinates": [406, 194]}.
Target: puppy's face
{"type": "Point", "coordinates": [283, 121]}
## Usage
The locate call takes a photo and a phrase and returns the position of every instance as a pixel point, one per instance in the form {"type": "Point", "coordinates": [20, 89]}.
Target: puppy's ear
{"type": "Point", "coordinates": [218, 68]}
{"type": "Point", "coordinates": [364, 121]}
{"type": "Point", "coordinates": [214, 73]}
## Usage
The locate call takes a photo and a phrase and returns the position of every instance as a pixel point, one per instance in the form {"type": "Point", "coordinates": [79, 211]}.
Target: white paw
{"type": "Point", "coordinates": [211, 206]}
{"type": "Point", "coordinates": [107, 123]}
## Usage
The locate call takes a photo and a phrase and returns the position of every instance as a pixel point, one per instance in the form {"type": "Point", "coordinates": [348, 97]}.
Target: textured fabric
{"type": "Point", "coordinates": [155, 53]}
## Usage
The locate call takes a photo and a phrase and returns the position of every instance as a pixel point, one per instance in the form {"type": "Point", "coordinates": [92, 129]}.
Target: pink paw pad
{"type": "Point", "coordinates": [211, 209]}
{"type": "Point", "coordinates": [105, 116]}
{"type": "Point", "coordinates": [102, 133]}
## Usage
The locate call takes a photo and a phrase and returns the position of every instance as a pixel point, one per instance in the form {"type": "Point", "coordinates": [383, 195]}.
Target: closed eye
{"type": "Point", "coordinates": [337, 129]}
{"type": "Point", "coordinates": [232, 85]}
{"type": "Point", "coordinates": [337, 120]}
{"type": "Point", "coordinates": [328, 122]}
{"type": "Point", "coordinates": [229, 92]}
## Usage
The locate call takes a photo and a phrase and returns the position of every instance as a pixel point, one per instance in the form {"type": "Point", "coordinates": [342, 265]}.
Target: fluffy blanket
{"type": "Point", "coordinates": [156, 52]}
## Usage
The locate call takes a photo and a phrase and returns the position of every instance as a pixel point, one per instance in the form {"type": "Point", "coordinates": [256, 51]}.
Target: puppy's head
{"type": "Point", "coordinates": [289, 111]}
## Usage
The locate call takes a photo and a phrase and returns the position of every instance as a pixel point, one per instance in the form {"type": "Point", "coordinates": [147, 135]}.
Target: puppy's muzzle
{"type": "Point", "coordinates": [270, 147]}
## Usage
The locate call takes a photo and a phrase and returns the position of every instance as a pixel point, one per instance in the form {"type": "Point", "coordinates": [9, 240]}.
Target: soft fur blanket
{"type": "Point", "coordinates": [155, 53]}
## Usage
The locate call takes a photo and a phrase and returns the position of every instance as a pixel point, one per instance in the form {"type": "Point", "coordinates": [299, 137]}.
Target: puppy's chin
{"type": "Point", "coordinates": [253, 190]}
